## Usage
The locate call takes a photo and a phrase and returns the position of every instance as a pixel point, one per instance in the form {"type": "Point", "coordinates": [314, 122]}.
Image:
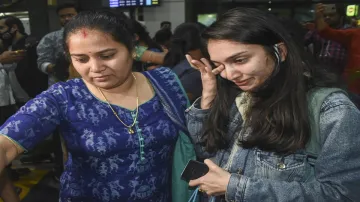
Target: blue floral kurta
{"type": "Point", "coordinates": [104, 159]}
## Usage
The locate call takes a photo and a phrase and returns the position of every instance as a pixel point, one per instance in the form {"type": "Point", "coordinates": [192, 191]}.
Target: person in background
{"type": "Point", "coordinates": [50, 50]}
{"type": "Point", "coordinates": [12, 33]}
{"type": "Point", "coordinates": [275, 127]}
{"type": "Point", "coordinates": [143, 39]}
{"type": "Point", "coordinates": [7, 109]}
{"type": "Point", "coordinates": [330, 53]}
{"type": "Point", "coordinates": [118, 133]}
{"type": "Point", "coordinates": [52, 61]}
{"type": "Point", "coordinates": [163, 38]}
{"type": "Point", "coordinates": [186, 40]}
{"type": "Point", "coordinates": [22, 78]}
{"type": "Point", "coordinates": [165, 25]}
{"type": "Point", "coordinates": [350, 39]}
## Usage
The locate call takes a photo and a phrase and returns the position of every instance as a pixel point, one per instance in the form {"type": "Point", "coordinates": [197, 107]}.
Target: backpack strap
{"type": "Point", "coordinates": [168, 88]}
{"type": "Point", "coordinates": [316, 98]}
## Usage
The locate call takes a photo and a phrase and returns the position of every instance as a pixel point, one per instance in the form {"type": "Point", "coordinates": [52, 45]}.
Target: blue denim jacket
{"type": "Point", "coordinates": [257, 175]}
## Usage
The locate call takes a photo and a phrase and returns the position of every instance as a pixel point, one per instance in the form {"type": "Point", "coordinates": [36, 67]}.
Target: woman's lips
{"type": "Point", "coordinates": [242, 83]}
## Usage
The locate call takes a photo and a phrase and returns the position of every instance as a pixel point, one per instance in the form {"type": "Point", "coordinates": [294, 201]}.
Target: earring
{"type": "Point", "coordinates": [134, 55]}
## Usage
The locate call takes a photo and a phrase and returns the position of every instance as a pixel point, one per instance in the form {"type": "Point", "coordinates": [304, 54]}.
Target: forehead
{"type": "Point", "coordinates": [90, 40]}
{"type": "Point", "coordinates": [66, 11]}
{"type": "Point", "coordinates": [220, 50]}
{"type": "Point", "coordinates": [85, 33]}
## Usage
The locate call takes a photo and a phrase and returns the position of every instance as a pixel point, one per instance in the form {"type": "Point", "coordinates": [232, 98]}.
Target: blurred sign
{"type": "Point", "coordinates": [52, 2]}
{"type": "Point", "coordinates": [352, 10]}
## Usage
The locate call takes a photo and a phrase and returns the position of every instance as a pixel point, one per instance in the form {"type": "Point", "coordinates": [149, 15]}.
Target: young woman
{"type": "Point", "coordinates": [262, 122]}
{"type": "Point", "coordinates": [119, 136]}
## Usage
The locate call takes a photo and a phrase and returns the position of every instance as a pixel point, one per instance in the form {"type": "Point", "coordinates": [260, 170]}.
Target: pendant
{"type": "Point", "coordinates": [131, 131]}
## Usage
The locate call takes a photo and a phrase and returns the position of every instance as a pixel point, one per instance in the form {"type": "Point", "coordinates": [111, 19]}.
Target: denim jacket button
{"type": "Point", "coordinates": [281, 165]}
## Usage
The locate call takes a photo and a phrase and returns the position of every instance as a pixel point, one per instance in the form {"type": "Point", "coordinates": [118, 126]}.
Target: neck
{"type": "Point", "coordinates": [122, 88]}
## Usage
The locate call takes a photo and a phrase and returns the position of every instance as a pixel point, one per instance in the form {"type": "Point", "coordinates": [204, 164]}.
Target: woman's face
{"type": "Point", "coordinates": [248, 66]}
{"type": "Point", "coordinates": [99, 59]}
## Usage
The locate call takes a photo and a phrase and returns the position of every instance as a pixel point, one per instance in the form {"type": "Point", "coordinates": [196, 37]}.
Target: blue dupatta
{"type": "Point", "coordinates": [173, 97]}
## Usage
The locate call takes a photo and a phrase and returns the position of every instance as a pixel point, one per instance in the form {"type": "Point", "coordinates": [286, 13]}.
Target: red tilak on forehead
{"type": "Point", "coordinates": [84, 33]}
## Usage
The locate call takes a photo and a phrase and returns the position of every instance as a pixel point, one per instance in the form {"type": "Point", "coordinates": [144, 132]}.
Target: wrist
{"type": "Point", "coordinates": [139, 52]}
{"type": "Point", "coordinates": [226, 182]}
{"type": "Point", "coordinates": [207, 100]}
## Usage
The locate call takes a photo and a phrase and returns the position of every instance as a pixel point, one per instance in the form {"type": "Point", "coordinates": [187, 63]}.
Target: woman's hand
{"type": "Point", "coordinates": [208, 77]}
{"type": "Point", "coordinates": [215, 182]}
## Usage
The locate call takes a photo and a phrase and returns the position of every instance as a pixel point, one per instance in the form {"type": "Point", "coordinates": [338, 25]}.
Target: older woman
{"type": "Point", "coordinates": [119, 135]}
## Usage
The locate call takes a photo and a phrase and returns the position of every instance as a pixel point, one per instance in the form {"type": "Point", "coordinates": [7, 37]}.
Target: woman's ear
{"type": "Point", "coordinates": [282, 51]}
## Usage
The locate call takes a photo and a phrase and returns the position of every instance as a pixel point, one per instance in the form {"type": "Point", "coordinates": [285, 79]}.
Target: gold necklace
{"type": "Point", "coordinates": [129, 127]}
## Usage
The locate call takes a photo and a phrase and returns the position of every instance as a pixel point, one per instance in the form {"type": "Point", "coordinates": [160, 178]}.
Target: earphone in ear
{"type": "Point", "coordinates": [277, 53]}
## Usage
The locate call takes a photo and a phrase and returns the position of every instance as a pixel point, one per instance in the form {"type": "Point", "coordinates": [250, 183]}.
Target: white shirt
{"type": "Point", "coordinates": [10, 88]}
{"type": "Point", "coordinates": [6, 92]}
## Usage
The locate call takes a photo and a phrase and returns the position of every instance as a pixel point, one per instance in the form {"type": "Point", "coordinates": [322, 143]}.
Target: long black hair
{"type": "Point", "coordinates": [278, 118]}
{"type": "Point", "coordinates": [186, 37]}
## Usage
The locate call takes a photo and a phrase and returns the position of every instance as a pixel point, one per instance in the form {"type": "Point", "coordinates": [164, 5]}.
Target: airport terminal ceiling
{"type": "Point", "coordinates": [301, 10]}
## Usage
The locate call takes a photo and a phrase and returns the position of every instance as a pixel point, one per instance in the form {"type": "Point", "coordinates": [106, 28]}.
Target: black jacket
{"type": "Point", "coordinates": [31, 79]}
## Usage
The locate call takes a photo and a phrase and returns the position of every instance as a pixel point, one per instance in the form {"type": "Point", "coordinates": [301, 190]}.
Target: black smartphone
{"type": "Point", "coordinates": [194, 170]}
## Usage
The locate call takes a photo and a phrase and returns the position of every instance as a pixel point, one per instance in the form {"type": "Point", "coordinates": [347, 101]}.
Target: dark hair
{"type": "Point", "coordinates": [186, 37]}
{"type": "Point", "coordinates": [108, 22]}
{"type": "Point", "coordinates": [12, 20]}
{"type": "Point", "coordinates": [67, 5]}
{"type": "Point", "coordinates": [163, 36]}
{"type": "Point", "coordinates": [278, 118]}
{"type": "Point", "coordinates": [164, 23]}
{"type": "Point", "coordinates": [143, 35]}
{"type": "Point", "coordinates": [295, 29]}
{"type": "Point", "coordinates": [201, 26]}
